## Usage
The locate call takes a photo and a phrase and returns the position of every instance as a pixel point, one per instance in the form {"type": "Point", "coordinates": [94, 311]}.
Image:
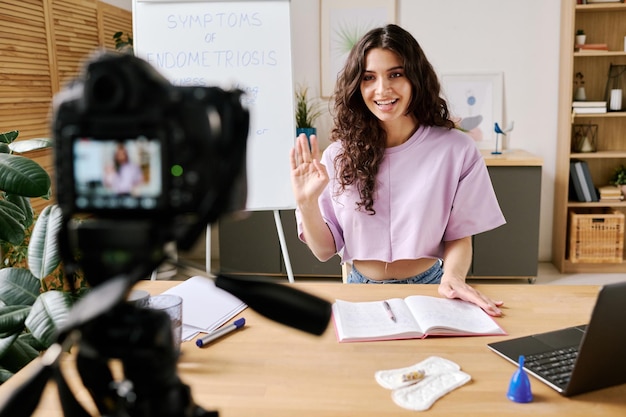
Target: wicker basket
{"type": "Point", "coordinates": [596, 238]}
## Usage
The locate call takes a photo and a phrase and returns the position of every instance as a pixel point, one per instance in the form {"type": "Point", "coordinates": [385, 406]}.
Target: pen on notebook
{"type": "Point", "coordinates": [389, 311]}
{"type": "Point", "coordinates": [237, 324]}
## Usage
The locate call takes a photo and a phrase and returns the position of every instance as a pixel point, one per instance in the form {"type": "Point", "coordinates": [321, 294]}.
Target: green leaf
{"type": "Point", "coordinates": [5, 344]}
{"type": "Point", "coordinates": [12, 319]}
{"type": "Point", "coordinates": [30, 145]}
{"type": "Point", "coordinates": [5, 375]}
{"type": "Point", "coordinates": [23, 176]}
{"type": "Point", "coordinates": [4, 148]}
{"type": "Point", "coordinates": [27, 209]}
{"type": "Point", "coordinates": [31, 341]}
{"type": "Point", "coordinates": [12, 221]}
{"type": "Point", "coordinates": [50, 311]}
{"type": "Point", "coordinates": [18, 355]}
{"type": "Point", "coordinates": [8, 137]}
{"type": "Point", "coordinates": [18, 286]}
{"type": "Point", "coordinates": [44, 254]}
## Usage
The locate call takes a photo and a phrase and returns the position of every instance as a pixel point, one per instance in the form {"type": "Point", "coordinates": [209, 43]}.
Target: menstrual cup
{"type": "Point", "coordinates": [519, 387]}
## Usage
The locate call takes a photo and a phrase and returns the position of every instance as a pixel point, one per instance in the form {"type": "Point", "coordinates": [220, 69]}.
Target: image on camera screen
{"type": "Point", "coordinates": [117, 174]}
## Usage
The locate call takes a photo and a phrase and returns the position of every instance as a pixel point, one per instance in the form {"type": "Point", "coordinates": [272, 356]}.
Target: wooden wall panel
{"type": "Point", "coordinates": [113, 19]}
{"type": "Point", "coordinates": [25, 79]}
{"type": "Point", "coordinates": [43, 44]}
{"type": "Point", "coordinates": [75, 34]}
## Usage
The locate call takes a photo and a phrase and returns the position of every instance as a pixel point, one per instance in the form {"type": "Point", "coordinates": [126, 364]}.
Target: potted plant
{"type": "Point", "coordinates": [123, 42]}
{"type": "Point", "coordinates": [580, 37]}
{"type": "Point", "coordinates": [619, 178]}
{"type": "Point", "coordinates": [33, 302]}
{"type": "Point", "coordinates": [307, 112]}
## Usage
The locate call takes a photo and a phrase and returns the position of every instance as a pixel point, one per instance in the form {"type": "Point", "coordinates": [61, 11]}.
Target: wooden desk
{"type": "Point", "coordinates": [268, 370]}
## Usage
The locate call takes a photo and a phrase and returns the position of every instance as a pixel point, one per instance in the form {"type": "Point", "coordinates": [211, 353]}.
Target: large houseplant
{"type": "Point", "coordinates": [31, 308]}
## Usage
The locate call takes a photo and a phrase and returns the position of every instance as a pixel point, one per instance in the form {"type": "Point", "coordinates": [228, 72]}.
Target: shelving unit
{"type": "Point", "coordinates": [603, 23]}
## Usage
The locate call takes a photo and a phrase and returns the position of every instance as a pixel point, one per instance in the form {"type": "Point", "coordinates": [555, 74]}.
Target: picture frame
{"type": "Point", "coordinates": [475, 104]}
{"type": "Point", "coordinates": [342, 24]}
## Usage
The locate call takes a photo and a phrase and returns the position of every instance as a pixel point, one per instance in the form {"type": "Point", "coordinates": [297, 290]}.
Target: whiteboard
{"type": "Point", "coordinates": [232, 44]}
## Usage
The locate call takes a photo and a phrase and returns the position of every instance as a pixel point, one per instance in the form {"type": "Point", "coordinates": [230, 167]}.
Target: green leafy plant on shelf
{"type": "Point", "coordinates": [619, 176]}
{"type": "Point", "coordinates": [34, 296]}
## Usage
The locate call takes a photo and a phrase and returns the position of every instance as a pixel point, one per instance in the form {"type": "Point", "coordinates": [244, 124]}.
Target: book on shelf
{"type": "Point", "coordinates": [588, 110]}
{"type": "Point", "coordinates": [587, 104]}
{"type": "Point", "coordinates": [610, 193]}
{"type": "Point", "coordinates": [414, 317]}
{"type": "Point", "coordinates": [582, 184]}
{"type": "Point", "coordinates": [592, 47]}
{"type": "Point", "coordinates": [576, 191]}
{"type": "Point", "coordinates": [610, 190]}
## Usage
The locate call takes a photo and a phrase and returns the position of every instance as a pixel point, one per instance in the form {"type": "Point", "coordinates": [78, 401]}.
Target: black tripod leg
{"type": "Point", "coordinates": [71, 406]}
{"type": "Point", "coordinates": [98, 379]}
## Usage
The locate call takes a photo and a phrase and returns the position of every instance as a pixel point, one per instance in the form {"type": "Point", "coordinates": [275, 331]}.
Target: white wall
{"type": "Point", "coordinates": [518, 38]}
{"type": "Point", "coordinates": [122, 4]}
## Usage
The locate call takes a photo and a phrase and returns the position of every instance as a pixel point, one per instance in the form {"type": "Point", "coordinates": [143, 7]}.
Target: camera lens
{"type": "Point", "coordinates": [113, 87]}
{"type": "Point", "coordinates": [106, 91]}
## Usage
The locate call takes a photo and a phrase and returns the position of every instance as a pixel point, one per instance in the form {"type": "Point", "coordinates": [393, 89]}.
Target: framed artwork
{"type": "Point", "coordinates": [342, 24]}
{"type": "Point", "coordinates": [475, 103]}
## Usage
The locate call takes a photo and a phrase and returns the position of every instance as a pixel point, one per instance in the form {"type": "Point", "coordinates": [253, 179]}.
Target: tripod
{"type": "Point", "coordinates": [141, 339]}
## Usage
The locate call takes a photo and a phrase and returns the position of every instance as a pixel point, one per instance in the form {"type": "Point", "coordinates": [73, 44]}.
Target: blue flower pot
{"type": "Point", "coordinates": [308, 131]}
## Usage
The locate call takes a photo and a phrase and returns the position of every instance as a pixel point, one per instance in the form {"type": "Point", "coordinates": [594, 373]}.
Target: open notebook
{"type": "Point", "coordinates": [205, 307]}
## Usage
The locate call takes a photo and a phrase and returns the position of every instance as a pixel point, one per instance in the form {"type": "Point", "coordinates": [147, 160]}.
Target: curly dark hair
{"type": "Point", "coordinates": [360, 132]}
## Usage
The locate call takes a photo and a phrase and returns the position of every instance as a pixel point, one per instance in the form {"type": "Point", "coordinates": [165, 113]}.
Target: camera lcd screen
{"type": "Point", "coordinates": [117, 174]}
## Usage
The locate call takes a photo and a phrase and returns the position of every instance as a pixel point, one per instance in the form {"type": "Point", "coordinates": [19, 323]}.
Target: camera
{"type": "Point", "coordinates": [141, 163]}
{"type": "Point", "coordinates": [131, 145]}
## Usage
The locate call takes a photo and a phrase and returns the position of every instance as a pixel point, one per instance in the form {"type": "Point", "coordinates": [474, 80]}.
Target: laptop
{"type": "Point", "coordinates": [578, 359]}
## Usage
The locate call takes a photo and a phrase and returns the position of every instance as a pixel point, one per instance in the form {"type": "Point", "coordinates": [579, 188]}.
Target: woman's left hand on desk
{"type": "Point", "coordinates": [451, 287]}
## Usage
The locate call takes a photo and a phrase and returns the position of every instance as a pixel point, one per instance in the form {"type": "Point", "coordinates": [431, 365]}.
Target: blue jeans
{"type": "Point", "coordinates": [430, 276]}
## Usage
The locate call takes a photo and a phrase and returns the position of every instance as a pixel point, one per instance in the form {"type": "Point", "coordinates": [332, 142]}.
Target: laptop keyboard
{"type": "Point", "coordinates": [555, 366]}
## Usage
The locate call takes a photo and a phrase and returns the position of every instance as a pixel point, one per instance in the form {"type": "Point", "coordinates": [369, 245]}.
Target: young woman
{"type": "Point", "coordinates": [399, 192]}
{"type": "Point", "coordinates": [123, 176]}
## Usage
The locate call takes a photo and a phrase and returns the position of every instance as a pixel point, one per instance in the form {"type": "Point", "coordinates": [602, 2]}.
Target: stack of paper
{"type": "Point", "coordinates": [205, 307]}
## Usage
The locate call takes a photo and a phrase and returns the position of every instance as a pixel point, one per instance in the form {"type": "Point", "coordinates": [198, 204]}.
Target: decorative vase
{"type": "Point", "coordinates": [580, 95]}
{"type": "Point", "coordinates": [581, 39]}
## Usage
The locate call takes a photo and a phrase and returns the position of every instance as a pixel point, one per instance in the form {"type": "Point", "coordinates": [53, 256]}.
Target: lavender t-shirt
{"type": "Point", "coordinates": [433, 188]}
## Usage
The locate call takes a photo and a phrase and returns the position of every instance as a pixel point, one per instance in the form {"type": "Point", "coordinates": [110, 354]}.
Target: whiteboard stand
{"type": "Point", "coordinates": [283, 245]}
{"type": "Point", "coordinates": [281, 238]}
{"type": "Point", "coordinates": [207, 260]}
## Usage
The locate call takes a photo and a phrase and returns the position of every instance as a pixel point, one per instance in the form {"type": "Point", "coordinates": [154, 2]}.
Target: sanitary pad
{"type": "Point", "coordinates": [418, 386]}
